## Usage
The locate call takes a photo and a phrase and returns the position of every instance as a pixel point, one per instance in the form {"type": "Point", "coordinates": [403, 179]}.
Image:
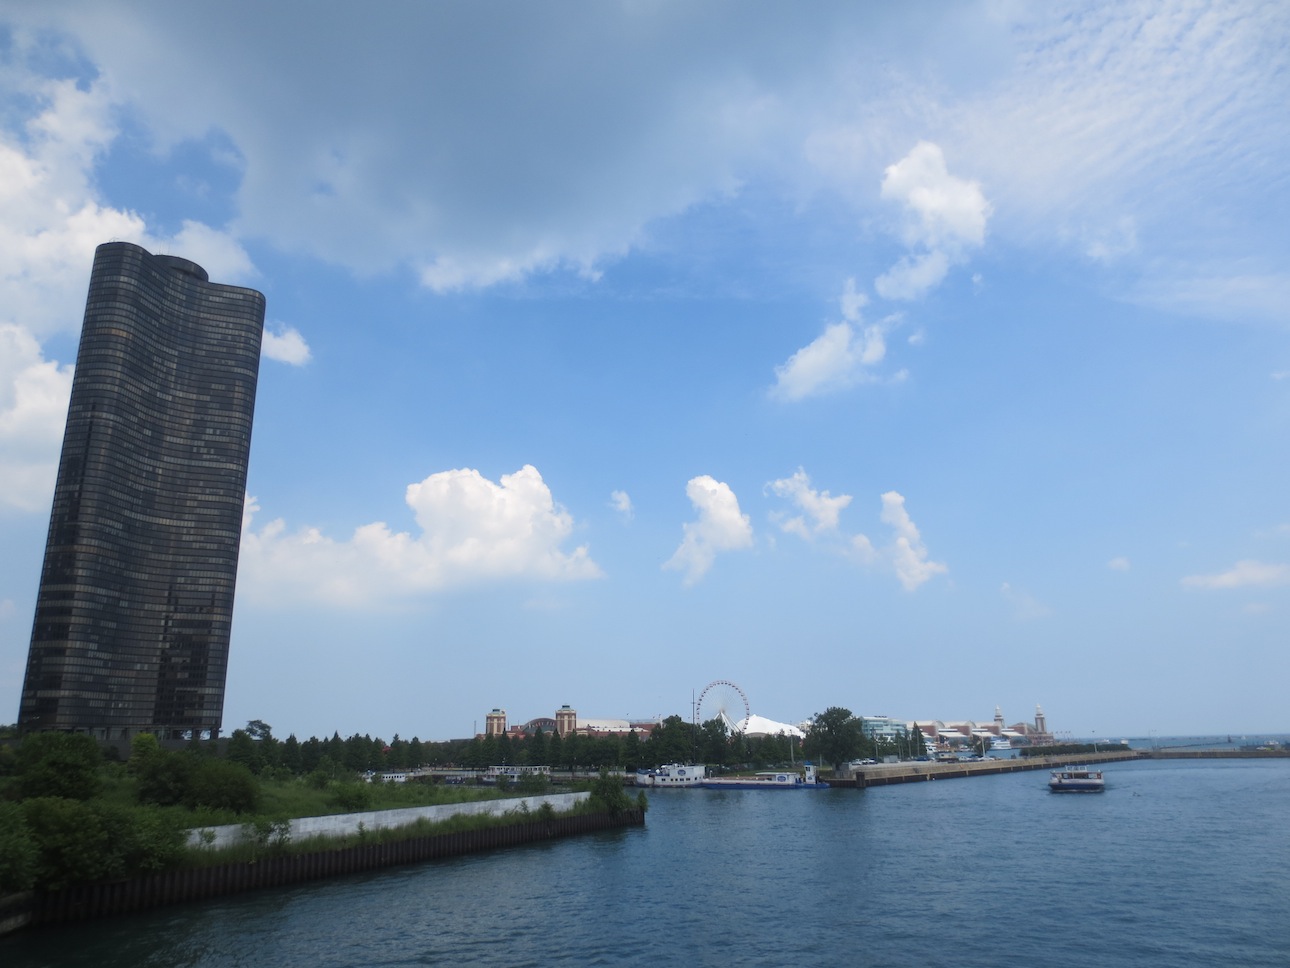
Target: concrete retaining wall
{"type": "Point", "coordinates": [344, 824]}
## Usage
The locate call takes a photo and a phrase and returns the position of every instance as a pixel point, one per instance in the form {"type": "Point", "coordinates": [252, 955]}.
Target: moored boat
{"type": "Point", "coordinates": [769, 780]}
{"type": "Point", "coordinates": [673, 775]}
{"type": "Point", "coordinates": [1079, 779]}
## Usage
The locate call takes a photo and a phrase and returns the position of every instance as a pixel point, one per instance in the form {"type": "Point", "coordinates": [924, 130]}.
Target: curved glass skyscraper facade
{"type": "Point", "coordinates": [135, 606]}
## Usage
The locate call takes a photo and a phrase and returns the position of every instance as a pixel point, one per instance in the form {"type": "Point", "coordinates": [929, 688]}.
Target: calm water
{"type": "Point", "coordinates": [1177, 864]}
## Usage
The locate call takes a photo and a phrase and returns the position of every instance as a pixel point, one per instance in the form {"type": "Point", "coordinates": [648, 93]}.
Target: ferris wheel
{"type": "Point", "coordinates": [725, 701]}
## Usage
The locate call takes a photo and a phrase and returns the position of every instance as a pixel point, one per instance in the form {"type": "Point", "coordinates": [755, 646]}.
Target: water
{"type": "Point", "coordinates": [1178, 863]}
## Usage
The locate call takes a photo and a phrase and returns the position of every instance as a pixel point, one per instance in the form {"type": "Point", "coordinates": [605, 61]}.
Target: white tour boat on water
{"type": "Point", "coordinates": [673, 775]}
{"type": "Point", "coordinates": [769, 780]}
{"type": "Point", "coordinates": [1077, 779]}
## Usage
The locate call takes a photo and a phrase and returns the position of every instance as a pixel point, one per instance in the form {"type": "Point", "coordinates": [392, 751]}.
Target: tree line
{"type": "Point", "coordinates": [68, 813]}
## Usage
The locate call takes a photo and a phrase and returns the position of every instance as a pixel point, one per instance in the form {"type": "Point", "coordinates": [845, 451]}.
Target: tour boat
{"type": "Point", "coordinates": [673, 775]}
{"type": "Point", "coordinates": [1079, 779]}
{"type": "Point", "coordinates": [769, 780]}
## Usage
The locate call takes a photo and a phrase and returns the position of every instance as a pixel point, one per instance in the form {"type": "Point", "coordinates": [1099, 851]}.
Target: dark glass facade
{"type": "Point", "coordinates": [133, 616]}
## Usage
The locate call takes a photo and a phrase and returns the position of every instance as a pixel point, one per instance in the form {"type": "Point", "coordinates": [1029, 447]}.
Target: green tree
{"type": "Point", "coordinates": [608, 794]}
{"type": "Point", "coordinates": [59, 765]}
{"type": "Point", "coordinates": [312, 751]}
{"type": "Point", "coordinates": [72, 844]}
{"type": "Point", "coordinates": [917, 742]}
{"type": "Point", "coordinates": [714, 742]}
{"type": "Point", "coordinates": [18, 853]}
{"type": "Point", "coordinates": [244, 751]}
{"type": "Point", "coordinates": [222, 785]}
{"type": "Point", "coordinates": [359, 754]}
{"type": "Point", "coordinates": [161, 778]}
{"type": "Point", "coordinates": [672, 741]}
{"type": "Point", "coordinates": [416, 753]}
{"type": "Point", "coordinates": [632, 753]}
{"type": "Point", "coordinates": [336, 748]}
{"type": "Point", "coordinates": [538, 749]}
{"type": "Point", "coordinates": [555, 752]}
{"type": "Point", "coordinates": [835, 737]}
{"type": "Point", "coordinates": [397, 757]}
{"type": "Point", "coordinates": [293, 755]}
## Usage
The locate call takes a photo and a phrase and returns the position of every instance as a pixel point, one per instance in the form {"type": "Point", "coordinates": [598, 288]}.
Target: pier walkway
{"type": "Point", "coordinates": [883, 774]}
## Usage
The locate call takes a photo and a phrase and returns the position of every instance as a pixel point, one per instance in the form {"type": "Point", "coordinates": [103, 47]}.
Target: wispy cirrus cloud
{"type": "Point", "coordinates": [1025, 607]}
{"type": "Point", "coordinates": [1246, 573]}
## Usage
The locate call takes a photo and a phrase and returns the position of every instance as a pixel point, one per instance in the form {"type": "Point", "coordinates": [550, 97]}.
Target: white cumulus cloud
{"type": "Point", "coordinates": [33, 408]}
{"type": "Point", "coordinates": [621, 502]}
{"type": "Point", "coordinates": [840, 357]}
{"type": "Point", "coordinates": [471, 530]}
{"type": "Point", "coordinates": [946, 217]}
{"type": "Point", "coordinates": [51, 218]}
{"type": "Point", "coordinates": [720, 526]}
{"type": "Point", "coordinates": [820, 510]}
{"type": "Point", "coordinates": [908, 554]}
{"type": "Point", "coordinates": [286, 345]}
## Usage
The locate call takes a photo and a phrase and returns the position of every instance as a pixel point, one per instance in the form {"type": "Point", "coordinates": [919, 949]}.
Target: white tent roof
{"type": "Point", "coordinates": [761, 726]}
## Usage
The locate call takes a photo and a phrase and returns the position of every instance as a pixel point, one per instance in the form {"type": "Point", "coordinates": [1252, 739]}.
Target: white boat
{"type": "Point", "coordinates": [769, 780]}
{"type": "Point", "coordinates": [1078, 779]}
{"type": "Point", "coordinates": [1000, 743]}
{"type": "Point", "coordinates": [673, 775]}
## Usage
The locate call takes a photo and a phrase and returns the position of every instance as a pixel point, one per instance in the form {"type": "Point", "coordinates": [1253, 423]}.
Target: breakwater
{"type": "Point", "coordinates": [883, 774]}
{"type": "Point", "coordinates": [87, 901]}
{"type": "Point", "coordinates": [1185, 754]}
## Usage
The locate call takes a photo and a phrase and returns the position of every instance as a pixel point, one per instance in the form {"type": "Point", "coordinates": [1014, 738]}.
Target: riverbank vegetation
{"type": "Point", "coordinates": [70, 814]}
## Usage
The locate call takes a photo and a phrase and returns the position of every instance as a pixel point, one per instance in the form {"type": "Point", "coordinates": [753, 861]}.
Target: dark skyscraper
{"type": "Point", "coordinates": [133, 615]}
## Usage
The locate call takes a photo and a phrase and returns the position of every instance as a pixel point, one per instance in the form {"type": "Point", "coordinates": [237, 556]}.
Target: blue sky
{"type": "Point", "coordinates": [912, 360]}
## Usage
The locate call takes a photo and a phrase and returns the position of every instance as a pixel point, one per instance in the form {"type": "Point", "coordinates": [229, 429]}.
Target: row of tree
{"type": "Point", "coordinates": [836, 737]}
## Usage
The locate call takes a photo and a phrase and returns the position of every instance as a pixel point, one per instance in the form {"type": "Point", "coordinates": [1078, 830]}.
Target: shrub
{"type": "Point", "coordinates": [221, 785]}
{"type": "Point", "coordinates": [166, 779]}
{"type": "Point", "coordinates": [533, 784]}
{"type": "Point", "coordinates": [59, 765]}
{"type": "Point", "coordinates": [607, 793]}
{"type": "Point", "coordinates": [142, 838]}
{"type": "Point", "coordinates": [352, 796]}
{"type": "Point", "coordinates": [271, 835]}
{"type": "Point", "coordinates": [71, 843]}
{"type": "Point", "coordinates": [18, 854]}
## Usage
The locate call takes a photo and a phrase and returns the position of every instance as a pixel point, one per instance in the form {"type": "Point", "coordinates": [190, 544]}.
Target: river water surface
{"type": "Point", "coordinates": [1178, 863]}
